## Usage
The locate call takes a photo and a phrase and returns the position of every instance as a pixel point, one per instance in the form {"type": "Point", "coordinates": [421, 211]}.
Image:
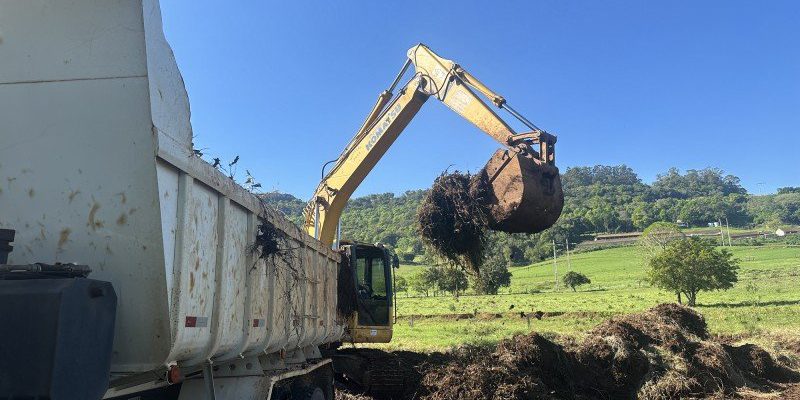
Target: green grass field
{"type": "Point", "coordinates": [765, 301]}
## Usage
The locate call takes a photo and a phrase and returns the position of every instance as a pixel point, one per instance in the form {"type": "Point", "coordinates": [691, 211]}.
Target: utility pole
{"type": "Point", "coordinates": [555, 267]}
{"type": "Point", "coordinates": [569, 263]}
{"type": "Point", "coordinates": [728, 227]}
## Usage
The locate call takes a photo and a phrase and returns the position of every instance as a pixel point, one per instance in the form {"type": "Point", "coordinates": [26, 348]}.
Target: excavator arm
{"type": "Point", "coordinates": [448, 82]}
{"type": "Point", "coordinates": [525, 197]}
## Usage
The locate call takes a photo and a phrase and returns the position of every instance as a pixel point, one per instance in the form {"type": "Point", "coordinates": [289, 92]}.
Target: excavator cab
{"type": "Point", "coordinates": [373, 296]}
{"type": "Point", "coordinates": [366, 296]}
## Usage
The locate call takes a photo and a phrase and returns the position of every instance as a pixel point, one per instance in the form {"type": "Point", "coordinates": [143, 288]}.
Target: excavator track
{"type": "Point", "coordinates": [374, 372]}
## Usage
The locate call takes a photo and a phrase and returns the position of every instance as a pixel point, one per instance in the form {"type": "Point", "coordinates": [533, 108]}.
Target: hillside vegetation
{"type": "Point", "coordinates": [597, 199]}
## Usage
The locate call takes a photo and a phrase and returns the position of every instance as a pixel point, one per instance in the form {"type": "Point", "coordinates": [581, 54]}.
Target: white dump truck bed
{"type": "Point", "coordinates": [97, 167]}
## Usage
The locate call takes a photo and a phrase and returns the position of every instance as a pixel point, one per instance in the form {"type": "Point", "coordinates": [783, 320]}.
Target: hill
{"type": "Point", "coordinates": [597, 199]}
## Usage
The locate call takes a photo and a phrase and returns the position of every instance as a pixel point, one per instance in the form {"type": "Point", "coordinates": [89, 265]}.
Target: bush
{"type": "Point", "coordinates": [574, 279]}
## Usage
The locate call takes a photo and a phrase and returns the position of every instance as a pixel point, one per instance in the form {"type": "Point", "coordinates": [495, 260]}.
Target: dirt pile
{"type": "Point", "coordinates": [453, 218]}
{"type": "Point", "coordinates": [268, 240]}
{"type": "Point", "coordinates": [663, 353]}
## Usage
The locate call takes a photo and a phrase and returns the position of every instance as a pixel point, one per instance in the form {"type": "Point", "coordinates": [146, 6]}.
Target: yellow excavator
{"type": "Point", "coordinates": [526, 194]}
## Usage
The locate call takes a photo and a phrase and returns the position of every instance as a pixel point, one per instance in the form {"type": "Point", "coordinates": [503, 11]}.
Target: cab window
{"type": "Point", "coordinates": [373, 287]}
{"type": "Point", "coordinates": [371, 278]}
{"type": "Point", "coordinates": [378, 279]}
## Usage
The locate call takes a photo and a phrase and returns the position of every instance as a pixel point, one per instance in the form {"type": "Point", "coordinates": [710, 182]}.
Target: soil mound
{"type": "Point", "coordinates": [662, 353]}
{"type": "Point", "coordinates": [453, 218]}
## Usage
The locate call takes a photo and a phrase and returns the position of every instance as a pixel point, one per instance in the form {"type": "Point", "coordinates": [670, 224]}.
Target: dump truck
{"type": "Point", "coordinates": [132, 268]}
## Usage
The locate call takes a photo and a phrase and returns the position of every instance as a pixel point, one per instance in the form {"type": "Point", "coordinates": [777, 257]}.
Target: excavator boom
{"type": "Point", "coordinates": [525, 183]}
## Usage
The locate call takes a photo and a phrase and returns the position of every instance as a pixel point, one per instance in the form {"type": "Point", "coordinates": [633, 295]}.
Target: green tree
{"type": "Point", "coordinates": [667, 209]}
{"type": "Point", "coordinates": [775, 210]}
{"type": "Point", "coordinates": [451, 279]}
{"type": "Point", "coordinates": [401, 284]}
{"type": "Point", "coordinates": [699, 211]}
{"type": "Point", "coordinates": [696, 183]}
{"type": "Point", "coordinates": [574, 279]}
{"type": "Point", "coordinates": [789, 189]}
{"type": "Point", "coordinates": [493, 273]}
{"type": "Point", "coordinates": [657, 236]}
{"type": "Point", "coordinates": [690, 265]}
{"type": "Point", "coordinates": [422, 283]}
{"type": "Point", "coordinates": [602, 215]}
{"type": "Point", "coordinates": [643, 215]}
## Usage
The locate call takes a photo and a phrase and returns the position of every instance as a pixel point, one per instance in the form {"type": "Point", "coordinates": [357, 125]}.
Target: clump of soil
{"type": "Point", "coordinates": [663, 353]}
{"type": "Point", "coordinates": [453, 219]}
{"type": "Point", "coordinates": [268, 240]}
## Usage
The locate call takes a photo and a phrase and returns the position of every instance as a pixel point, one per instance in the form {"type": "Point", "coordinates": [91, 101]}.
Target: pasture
{"type": "Point", "coordinates": [763, 305]}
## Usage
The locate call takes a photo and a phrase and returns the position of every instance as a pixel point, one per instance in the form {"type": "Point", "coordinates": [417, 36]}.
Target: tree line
{"type": "Point", "coordinates": [599, 199]}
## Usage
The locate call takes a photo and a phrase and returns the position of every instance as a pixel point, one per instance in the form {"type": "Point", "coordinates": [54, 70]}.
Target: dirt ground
{"type": "Point", "coordinates": [663, 353]}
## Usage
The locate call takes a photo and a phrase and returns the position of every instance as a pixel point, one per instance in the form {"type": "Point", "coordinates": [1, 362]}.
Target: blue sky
{"type": "Point", "coordinates": [689, 84]}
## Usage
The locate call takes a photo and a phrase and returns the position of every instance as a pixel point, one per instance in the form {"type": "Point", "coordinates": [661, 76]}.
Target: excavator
{"type": "Point", "coordinates": [525, 186]}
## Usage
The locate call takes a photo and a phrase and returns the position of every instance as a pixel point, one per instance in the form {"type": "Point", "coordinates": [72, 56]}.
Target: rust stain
{"type": "Point", "coordinates": [196, 264]}
{"type": "Point", "coordinates": [93, 222]}
{"type": "Point", "coordinates": [72, 195]}
{"type": "Point", "coordinates": [122, 220]}
{"type": "Point", "coordinates": [191, 281]}
{"type": "Point", "coordinates": [31, 193]}
{"type": "Point", "coordinates": [63, 237]}
{"type": "Point", "coordinates": [131, 211]}
{"type": "Point", "coordinates": [124, 198]}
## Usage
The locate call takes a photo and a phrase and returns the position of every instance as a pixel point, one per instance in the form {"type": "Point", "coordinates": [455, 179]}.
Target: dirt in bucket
{"type": "Point", "coordinates": [453, 219]}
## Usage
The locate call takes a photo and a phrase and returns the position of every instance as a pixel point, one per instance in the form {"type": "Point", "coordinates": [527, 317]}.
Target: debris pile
{"type": "Point", "coordinates": [268, 240]}
{"type": "Point", "coordinates": [663, 353]}
{"type": "Point", "coordinates": [453, 218]}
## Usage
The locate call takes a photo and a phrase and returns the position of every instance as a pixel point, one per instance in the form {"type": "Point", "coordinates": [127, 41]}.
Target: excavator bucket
{"type": "Point", "coordinates": [526, 195]}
